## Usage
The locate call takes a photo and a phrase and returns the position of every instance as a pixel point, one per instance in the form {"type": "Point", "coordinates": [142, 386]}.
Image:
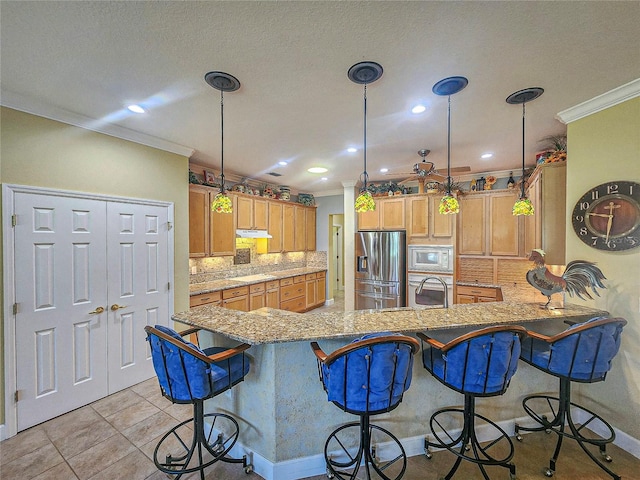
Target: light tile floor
{"type": "Point", "coordinates": [114, 438]}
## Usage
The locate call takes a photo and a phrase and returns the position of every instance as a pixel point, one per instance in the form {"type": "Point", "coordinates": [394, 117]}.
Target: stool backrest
{"type": "Point", "coordinates": [181, 367]}
{"type": "Point", "coordinates": [583, 352]}
{"type": "Point", "coordinates": [370, 375]}
{"type": "Point", "coordinates": [481, 362]}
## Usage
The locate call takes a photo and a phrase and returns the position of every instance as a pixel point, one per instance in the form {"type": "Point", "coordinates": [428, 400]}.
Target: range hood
{"type": "Point", "coordinates": [252, 234]}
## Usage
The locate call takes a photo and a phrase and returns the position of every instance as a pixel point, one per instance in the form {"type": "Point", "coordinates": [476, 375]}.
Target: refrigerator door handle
{"type": "Point", "coordinates": [363, 264]}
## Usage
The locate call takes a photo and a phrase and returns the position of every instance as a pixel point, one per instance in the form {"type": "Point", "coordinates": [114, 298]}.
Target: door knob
{"type": "Point", "coordinates": [97, 311]}
{"type": "Point", "coordinates": [115, 307]}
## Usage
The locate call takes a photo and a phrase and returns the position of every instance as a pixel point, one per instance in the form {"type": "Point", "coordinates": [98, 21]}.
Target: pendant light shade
{"type": "Point", "coordinates": [523, 205]}
{"type": "Point", "coordinates": [364, 73]}
{"type": "Point", "coordinates": [447, 87]}
{"type": "Point", "coordinates": [223, 82]}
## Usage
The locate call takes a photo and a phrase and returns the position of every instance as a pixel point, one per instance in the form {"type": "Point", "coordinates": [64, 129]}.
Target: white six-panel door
{"type": "Point", "coordinates": [89, 275]}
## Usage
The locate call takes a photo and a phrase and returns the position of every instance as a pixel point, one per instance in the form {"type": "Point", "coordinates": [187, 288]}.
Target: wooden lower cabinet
{"type": "Point", "coordinates": [257, 296]}
{"type": "Point", "coordinates": [236, 298]}
{"type": "Point", "coordinates": [272, 294]}
{"type": "Point", "coordinates": [467, 294]}
{"type": "Point", "coordinates": [310, 291]}
{"type": "Point", "coordinates": [321, 287]}
{"type": "Point", "coordinates": [206, 299]}
{"type": "Point", "coordinates": [293, 294]}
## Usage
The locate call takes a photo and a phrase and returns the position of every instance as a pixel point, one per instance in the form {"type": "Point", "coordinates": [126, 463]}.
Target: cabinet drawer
{"type": "Point", "coordinates": [235, 292]}
{"type": "Point", "coordinates": [310, 276]}
{"type": "Point", "coordinates": [204, 298]}
{"type": "Point", "coordinates": [486, 292]}
{"type": "Point", "coordinates": [273, 285]}
{"type": "Point", "coordinates": [299, 279]}
{"type": "Point", "coordinates": [320, 275]}
{"type": "Point", "coordinates": [257, 288]}
{"type": "Point", "coordinates": [291, 291]}
{"type": "Point", "coordinates": [286, 281]}
{"type": "Point", "coordinates": [293, 305]}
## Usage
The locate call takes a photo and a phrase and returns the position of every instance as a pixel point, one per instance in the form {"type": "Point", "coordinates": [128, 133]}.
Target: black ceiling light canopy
{"type": "Point", "coordinates": [523, 205]}
{"type": "Point", "coordinates": [223, 82]}
{"type": "Point", "coordinates": [364, 73]}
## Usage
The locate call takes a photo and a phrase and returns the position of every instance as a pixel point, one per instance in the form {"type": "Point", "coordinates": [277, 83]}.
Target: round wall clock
{"type": "Point", "coordinates": [607, 217]}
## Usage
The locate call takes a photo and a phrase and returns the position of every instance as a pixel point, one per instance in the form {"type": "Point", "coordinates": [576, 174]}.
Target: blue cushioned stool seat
{"type": "Point", "coordinates": [478, 364]}
{"type": "Point", "coordinates": [582, 353]}
{"type": "Point", "coordinates": [187, 374]}
{"type": "Point", "coordinates": [366, 377]}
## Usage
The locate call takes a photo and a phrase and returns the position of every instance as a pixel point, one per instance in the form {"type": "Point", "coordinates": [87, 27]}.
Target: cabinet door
{"type": "Point", "coordinates": [260, 214]}
{"type": "Point", "coordinates": [471, 222]}
{"type": "Point", "coordinates": [238, 303]}
{"type": "Point", "coordinates": [310, 293]}
{"type": "Point", "coordinates": [274, 244]}
{"type": "Point", "coordinates": [465, 298]}
{"type": "Point", "coordinates": [244, 213]}
{"type": "Point", "coordinates": [300, 238]}
{"type": "Point", "coordinates": [392, 213]}
{"type": "Point", "coordinates": [288, 228]}
{"type": "Point", "coordinates": [321, 285]}
{"type": "Point", "coordinates": [222, 231]}
{"type": "Point", "coordinates": [442, 224]}
{"type": "Point", "coordinates": [310, 226]}
{"type": "Point", "coordinates": [418, 223]}
{"type": "Point", "coordinates": [370, 220]}
{"type": "Point", "coordinates": [198, 221]}
{"type": "Point", "coordinates": [272, 298]}
{"type": "Point", "coordinates": [257, 300]}
{"type": "Point", "coordinates": [503, 226]}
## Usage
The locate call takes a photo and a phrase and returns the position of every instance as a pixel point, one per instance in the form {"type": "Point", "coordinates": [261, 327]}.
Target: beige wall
{"type": "Point", "coordinates": [604, 147]}
{"type": "Point", "coordinates": [40, 152]}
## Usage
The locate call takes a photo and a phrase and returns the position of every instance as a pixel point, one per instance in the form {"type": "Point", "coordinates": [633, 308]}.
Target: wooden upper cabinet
{"type": "Point", "coordinates": [288, 228]}
{"type": "Point", "coordinates": [471, 225]}
{"type": "Point", "coordinates": [418, 216]}
{"type": "Point", "coordinates": [300, 238]}
{"type": "Point", "coordinates": [310, 227]}
{"type": "Point", "coordinates": [392, 213]}
{"type": "Point", "coordinates": [274, 244]}
{"type": "Point", "coordinates": [222, 231]}
{"type": "Point", "coordinates": [388, 215]}
{"type": "Point", "coordinates": [251, 213]}
{"type": "Point", "coordinates": [199, 212]}
{"type": "Point", "coordinates": [442, 224]}
{"type": "Point", "coordinates": [503, 228]}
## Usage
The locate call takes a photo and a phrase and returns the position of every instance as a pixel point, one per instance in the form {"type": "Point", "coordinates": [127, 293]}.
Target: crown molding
{"type": "Point", "coordinates": [601, 102]}
{"type": "Point", "coordinates": [40, 109]}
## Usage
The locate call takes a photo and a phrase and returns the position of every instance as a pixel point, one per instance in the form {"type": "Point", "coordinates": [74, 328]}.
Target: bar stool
{"type": "Point", "coordinates": [582, 353]}
{"type": "Point", "coordinates": [478, 364]}
{"type": "Point", "coordinates": [365, 378]}
{"type": "Point", "coordinates": [188, 375]}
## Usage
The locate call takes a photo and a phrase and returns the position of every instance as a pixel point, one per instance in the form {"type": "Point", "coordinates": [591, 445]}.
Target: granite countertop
{"type": "Point", "coordinates": [476, 284]}
{"type": "Point", "coordinates": [217, 285]}
{"type": "Point", "coordinates": [268, 325]}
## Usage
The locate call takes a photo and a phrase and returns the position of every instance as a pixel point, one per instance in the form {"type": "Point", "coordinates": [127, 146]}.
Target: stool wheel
{"type": "Point", "coordinates": [548, 472]}
{"type": "Point", "coordinates": [330, 473]}
{"type": "Point", "coordinates": [519, 437]}
{"type": "Point", "coordinates": [248, 469]}
{"type": "Point", "coordinates": [607, 458]}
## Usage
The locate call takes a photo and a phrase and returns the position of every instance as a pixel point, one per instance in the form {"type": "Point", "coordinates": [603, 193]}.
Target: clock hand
{"type": "Point", "coordinates": [609, 222]}
{"type": "Point", "coordinates": [600, 215]}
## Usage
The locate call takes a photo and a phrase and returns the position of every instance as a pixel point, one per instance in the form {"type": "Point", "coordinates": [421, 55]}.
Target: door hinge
{"type": "Point", "coordinates": [14, 220]}
{"type": "Point", "coordinates": [16, 396]}
{"type": "Point", "coordinates": [169, 286]}
{"type": "Point", "coordinates": [169, 226]}
{"type": "Point", "coordinates": [15, 308]}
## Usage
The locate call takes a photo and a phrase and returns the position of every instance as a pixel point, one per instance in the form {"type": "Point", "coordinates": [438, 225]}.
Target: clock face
{"type": "Point", "coordinates": [607, 217]}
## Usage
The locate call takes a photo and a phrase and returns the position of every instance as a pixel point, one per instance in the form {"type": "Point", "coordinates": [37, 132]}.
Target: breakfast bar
{"type": "Point", "coordinates": [282, 409]}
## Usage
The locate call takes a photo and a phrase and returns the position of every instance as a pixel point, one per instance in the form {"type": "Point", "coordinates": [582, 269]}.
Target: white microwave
{"type": "Point", "coordinates": [430, 258]}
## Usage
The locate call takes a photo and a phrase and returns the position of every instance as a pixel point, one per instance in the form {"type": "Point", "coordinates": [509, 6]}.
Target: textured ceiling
{"type": "Point", "coordinates": [88, 60]}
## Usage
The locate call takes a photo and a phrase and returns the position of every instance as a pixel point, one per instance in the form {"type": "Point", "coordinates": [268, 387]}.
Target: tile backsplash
{"type": "Point", "coordinates": [218, 268]}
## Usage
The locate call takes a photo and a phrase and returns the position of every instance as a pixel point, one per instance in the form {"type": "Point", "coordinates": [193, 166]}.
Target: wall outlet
{"type": "Point", "coordinates": [194, 270]}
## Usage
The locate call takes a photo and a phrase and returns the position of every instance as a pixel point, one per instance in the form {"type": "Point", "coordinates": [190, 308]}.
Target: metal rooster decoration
{"type": "Point", "coordinates": [577, 277]}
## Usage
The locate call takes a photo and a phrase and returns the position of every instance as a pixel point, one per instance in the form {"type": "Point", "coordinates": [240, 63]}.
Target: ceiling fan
{"type": "Point", "coordinates": [426, 171]}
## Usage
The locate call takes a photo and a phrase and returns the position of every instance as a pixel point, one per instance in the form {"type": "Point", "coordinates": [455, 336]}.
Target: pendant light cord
{"type": "Point", "coordinates": [449, 145]}
{"type": "Point", "coordinates": [522, 186]}
{"type": "Point", "coordinates": [222, 141]}
{"type": "Point", "coordinates": [365, 174]}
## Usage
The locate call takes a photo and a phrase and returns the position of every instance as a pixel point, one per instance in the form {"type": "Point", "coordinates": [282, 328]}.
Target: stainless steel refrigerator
{"type": "Point", "coordinates": [380, 280]}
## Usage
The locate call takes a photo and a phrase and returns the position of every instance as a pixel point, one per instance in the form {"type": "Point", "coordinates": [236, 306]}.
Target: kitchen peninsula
{"type": "Point", "coordinates": [283, 412]}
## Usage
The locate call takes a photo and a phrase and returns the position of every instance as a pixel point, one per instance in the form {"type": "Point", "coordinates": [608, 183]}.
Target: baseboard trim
{"type": "Point", "coordinates": [3, 432]}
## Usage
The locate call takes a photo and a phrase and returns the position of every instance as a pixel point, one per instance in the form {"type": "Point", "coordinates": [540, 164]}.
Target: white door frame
{"type": "Point", "coordinates": [8, 192]}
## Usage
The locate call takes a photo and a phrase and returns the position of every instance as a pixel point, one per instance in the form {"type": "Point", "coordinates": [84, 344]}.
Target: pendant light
{"type": "Point", "coordinates": [225, 83]}
{"type": "Point", "coordinates": [447, 87]}
{"type": "Point", "coordinates": [364, 73]}
{"type": "Point", "coordinates": [523, 205]}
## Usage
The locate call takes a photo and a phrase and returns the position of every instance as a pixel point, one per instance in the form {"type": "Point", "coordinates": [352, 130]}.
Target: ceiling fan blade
{"type": "Point", "coordinates": [436, 177]}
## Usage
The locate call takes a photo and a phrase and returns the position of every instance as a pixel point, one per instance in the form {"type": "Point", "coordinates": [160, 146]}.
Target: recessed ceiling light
{"type": "Point", "coordinates": [352, 149]}
{"type": "Point", "coordinates": [486, 155]}
{"type": "Point", "coordinates": [384, 170]}
{"type": "Point", "coordinates": [324, 179]}
{"type": "Point", "coordinates": [317, 170]}
{"type": "Point", "coordinates": [136, 108]}
{"type": "Point", "coordinates": [418, 109]}
{"type": "Point", "coordinates": [283, 163]}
